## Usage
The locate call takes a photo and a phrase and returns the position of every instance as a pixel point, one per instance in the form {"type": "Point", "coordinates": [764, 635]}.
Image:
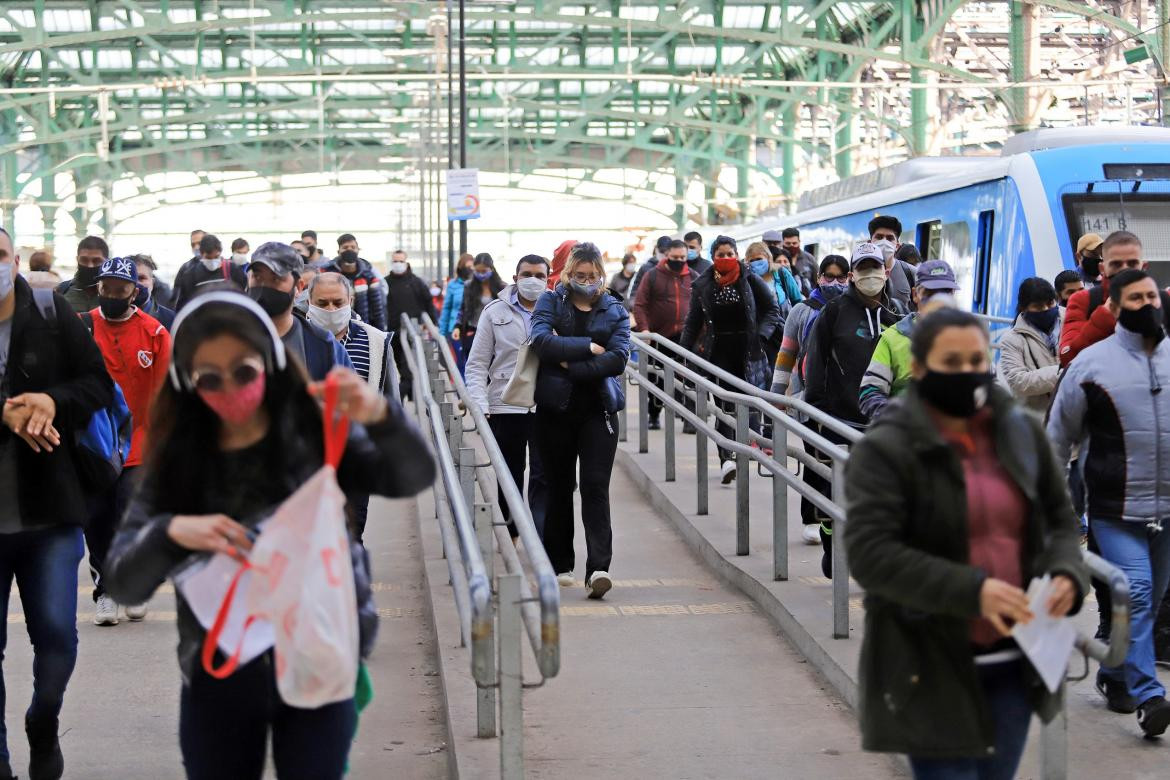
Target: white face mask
{"type": "Point", "coordinates": [530, 288]}
{"type": "Point", "coordinates": [869, 283]}
{"type": "Point", "coordinates": [333, 320]}
{"type": "Point", "coordinates": [6, 281]}
{"type": "Point", "coordinates": [398, 267]}
{"type": "Point", "coordinates": [887, 248]}
{"type": "Point", "coordinates": [211, 264]}
{"type": "Point", "coordinates": [239, 258]}
{"type": "Point", "coordinates": [435, 291]}
{"type": "Point", "coordinates": [630, 267]}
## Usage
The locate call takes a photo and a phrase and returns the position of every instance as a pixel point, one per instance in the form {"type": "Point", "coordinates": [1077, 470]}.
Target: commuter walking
{"type": "Point", "coordinates": [52, 378]}
{"type": "Point", "coordinates": [788, 378]}
{"type": "Point", "coordinates": [137, 351]}
{"type": "Point", "coordinates": [1088, 258]}
{"type": "Point", "coordinates": [662, 304]}
{"type": "Point", "coordinates": [405, 294]}
{"type": "Point", "coordinates": [483, 288]}
{"type": "Point", "coordinates": [582, 335]}
{"type": "Point", "coordinates": [736, 314]}
{"type": "Point", "coordinates": [786, 244]}
{"type": "Point", "coordinates": [453, 304]}
{"type": "Point", "coordinates": [369, 292]}
{"type": "Point", "coordinates": [884, 233]}
{"type": "Point", "coordinates": [504, 326]}
{"type": "Point", "coordinates": [619, 283]}
{"type": "Point", "coordinates": [777, 274]}
{"type": "Point", "coordinates": [661, 249]}
{"type": "Point", "coordinates": [559, 258]}
{"type": "Point", "coordinates": [888, 374]}
{"type": "Point", "coordinates": [695, 258]}
{"type": "Point", "coordinates": [240, 414]}
{"type": "Point", "coordinates": [1027, 354]}
{"type": "Point", "coordinates": [839, 352]}
{"type": "Point", "coordinates": [148, 285]}
{"type": "Point", "coordinates": [209, 268]}
{"type": "Point", "coordinates": [1067, 284]}
{"type": "Point", "coordinates": [81, 291]}
{"type": "Point", "coordinates": [1112, 400]}
{"type": "Point", "coordinates": [955, 503]}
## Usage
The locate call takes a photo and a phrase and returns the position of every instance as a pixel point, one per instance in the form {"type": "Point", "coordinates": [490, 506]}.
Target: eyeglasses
{"type": "Point", "coordinates": [583, 279]}
{"type": "Point", "coordinates": [835, 277]}
{"type": "Point", "coordinates": [245, 373]}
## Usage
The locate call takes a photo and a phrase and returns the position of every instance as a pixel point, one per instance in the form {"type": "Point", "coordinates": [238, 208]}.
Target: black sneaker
{"type": "Point", "coordinates": [45, 761]}
{"type": "Point", "coordinates": [1116, 695]}
{"type": "Point", "coordinates": [1154, 716]}
{"type": "Point", "coordinates": [654, 424]}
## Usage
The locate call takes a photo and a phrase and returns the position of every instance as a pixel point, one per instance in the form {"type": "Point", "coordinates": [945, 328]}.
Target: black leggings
{"type": "Point", "coordinates": [224, 724]}
{"type": "Point", "coordinates": [563, 439]}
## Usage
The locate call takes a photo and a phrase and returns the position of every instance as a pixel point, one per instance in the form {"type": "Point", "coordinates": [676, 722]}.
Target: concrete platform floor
{"type": "Point", "coordinates": [121, 711]}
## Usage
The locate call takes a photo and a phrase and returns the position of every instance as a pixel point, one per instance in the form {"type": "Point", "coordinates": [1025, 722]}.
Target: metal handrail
{"type": "Point", "coordinates": [745, 398]}
{"type": "Point", "coordinates": [474, 572]}
{"type": "Point", "coordinates": [545, 636]}
{"type": "Point", "coordinates": [1113, 652]}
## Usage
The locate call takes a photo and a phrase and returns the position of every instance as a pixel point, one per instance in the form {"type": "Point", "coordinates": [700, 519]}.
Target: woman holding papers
{"type": "Point", "coordinates": [954, 503]}
{"type": "Point", "coordinates": [236, 431]}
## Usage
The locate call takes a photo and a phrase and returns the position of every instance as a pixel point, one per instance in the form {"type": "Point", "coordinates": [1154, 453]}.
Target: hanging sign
{"type": "Point", "coordinates": [462, 194]}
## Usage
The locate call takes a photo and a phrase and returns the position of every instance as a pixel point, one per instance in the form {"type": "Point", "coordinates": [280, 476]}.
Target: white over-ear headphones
{"type": "Point", "coordinates": [180, 380]}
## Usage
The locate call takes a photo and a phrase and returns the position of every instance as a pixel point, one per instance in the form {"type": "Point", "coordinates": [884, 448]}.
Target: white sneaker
{"type": "Point", "coordinates": [811, 535]}
{"type": "Point", "coordinates": [136, 613]}
{"type": "Point", "coordinates": [107, 612]}
{"type": "Point", "coordinates": [599, 584]}
{"type": "Point", "coordinates": [728, 472]}
{"type": "Point", "coordinates": [566, 579]}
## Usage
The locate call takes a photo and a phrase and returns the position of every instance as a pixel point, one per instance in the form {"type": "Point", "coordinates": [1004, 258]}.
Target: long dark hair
{"type": "Point", "coordinates": [184, 432]}
{"type": "Point", "coordinates": [1034, 290]}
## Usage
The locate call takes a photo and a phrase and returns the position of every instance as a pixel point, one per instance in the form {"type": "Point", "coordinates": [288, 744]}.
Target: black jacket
{"type": "Point", "coordinates": [906, 537]}
{"type": "Point", "coordinates": [473, 303]}
{"type": "Point", "coordinates": [193, 274]}
{"type": "Point", "coordinates": [410, 295]}
{"type": "Point", "coordinates": [369, 292]}
{"type": "Point", "coordinates": [64, 362]}
{"type": "Point", "coordinates": [142, 556]}
{"type": "Point", "coordinates": [609, 326]}
{"type": "Point", "coordinates": [762, 319]}
{"type": "Point", "coordinates": [839, 350]}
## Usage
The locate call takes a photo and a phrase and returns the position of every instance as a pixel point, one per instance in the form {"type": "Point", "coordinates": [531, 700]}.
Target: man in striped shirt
{"type": "Point", "coordinates": [331, 307]}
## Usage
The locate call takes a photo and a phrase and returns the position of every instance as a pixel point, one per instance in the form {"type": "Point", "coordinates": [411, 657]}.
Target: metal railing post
{"type": "Point", "coordinates": [1054, 744]}
{"type": "Point", "coordinates": [511, 680]}
{"type": "Point", "coordinates": [485, 697]}
{"type": "Point", "coordinates": [779, 505]}
{"type": "Point", "coordinates": [840, 567]}
{"type": "Point", "coordinates": [702, 486]}
{"type": "Point", "coordinates": [742, 470]}
{"type": "Point", "coordinates": [643, 402]}
{"type": "Point", "coordinates": [668, 384]}
{"type": "Point", "coordinates": [466, 464]}
{"type": "Point", "coordinates": [624, 424]}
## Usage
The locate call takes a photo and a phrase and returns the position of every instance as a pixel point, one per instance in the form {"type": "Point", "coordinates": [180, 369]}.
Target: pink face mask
{"type": "Point", "coordinates": [236, 406]}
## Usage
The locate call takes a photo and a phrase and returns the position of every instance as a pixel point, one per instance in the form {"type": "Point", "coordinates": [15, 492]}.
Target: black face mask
{"type": "Point", "coordinates": [1146, 321]}
{"type": "Point", "coordinates": [1091, 267]}
{"type": "Point", "coordinates": [142, 297]}
{"type": "Point", "coordinates": [676, 265]}
{"type": "Point", "coordinates": [959, 395]}
{"type": "Point", "coordinates": [274, 302]}
{"type": "Point", "coordinates": [113, 308]}
{"type": "Point", "coordinates": [464, 272]}
{"type": "Point", "coordinates": [348, 257]}
{"type": "Point", "coordinates": [86, 277]}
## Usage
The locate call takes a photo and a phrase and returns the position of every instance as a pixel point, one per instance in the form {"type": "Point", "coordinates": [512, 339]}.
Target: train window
{"type": "Point", "coordinates": [1143, 213]}
{"type": "Point", "coordinates": [814, 250]}
{"type": "Point", "coordinates": [929, 239]}
{"type": "Point", "coordinates": [982, 261]}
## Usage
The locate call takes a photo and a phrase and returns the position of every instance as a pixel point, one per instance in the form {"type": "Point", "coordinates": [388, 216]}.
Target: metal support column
{"type": "Point", "coordinates": [840, 569]}
{"type": "Point", "coordinates": [702, 487]}
{"type": "Point", "coordinates": [643, 402]}
{"type": "Point", "coordinates": [511, 678]}
{"type": "Point", "coordinates": [742, 472]}
{"type": "Point", "coordinates": [779, 506]}
{"type": "Point", "coordinates": [466, 471]}
{"type": "Point", "coordinates": [462, 115]}
{"type": "Point", "coordinates": [668, 429]}
{"type": "Point", "coordinates": [485, 698]}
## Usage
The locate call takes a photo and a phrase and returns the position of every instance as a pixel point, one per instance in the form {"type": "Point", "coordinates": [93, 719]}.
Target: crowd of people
{"type": "Point", "coordinates": [973, 477]}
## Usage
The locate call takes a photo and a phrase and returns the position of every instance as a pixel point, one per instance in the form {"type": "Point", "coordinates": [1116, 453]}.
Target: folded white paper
{"type": "Point", "coordinates": [1046, 641]}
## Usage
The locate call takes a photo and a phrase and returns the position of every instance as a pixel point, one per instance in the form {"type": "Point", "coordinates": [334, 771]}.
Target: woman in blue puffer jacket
{"type": "Point", "coordinates": [582, 335]}
{"type": "Point", "coordinates": [453, 304]}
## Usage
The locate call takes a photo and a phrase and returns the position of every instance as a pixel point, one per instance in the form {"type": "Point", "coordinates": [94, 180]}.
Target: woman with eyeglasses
{"type": "Point", "coordinates": [732, 319]}
{"type": "Point", "coordinates": [234, 432]}
{"type": "Point", "coordinates": [482, 289]}
{"type": "Point", "coordinates": [582, 335]}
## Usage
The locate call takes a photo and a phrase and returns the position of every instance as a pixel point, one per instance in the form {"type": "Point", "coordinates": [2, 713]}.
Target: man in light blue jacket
{"type": "Point", "coordinates": [504, 325]}
{"type": "Point", "coordinates": [1111, 400]}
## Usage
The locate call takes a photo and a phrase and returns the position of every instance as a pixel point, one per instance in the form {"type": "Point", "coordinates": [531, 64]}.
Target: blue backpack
{"type": "Point", "coordinates": [103, 445]}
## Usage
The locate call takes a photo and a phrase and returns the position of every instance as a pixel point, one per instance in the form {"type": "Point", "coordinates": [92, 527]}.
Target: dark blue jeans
{"type": "Point", "coordinates": [1007, 698]}
{"type": "Point", "coordinates": [44, 564]}
{"type": "Point", "coordinates": [224, 724]}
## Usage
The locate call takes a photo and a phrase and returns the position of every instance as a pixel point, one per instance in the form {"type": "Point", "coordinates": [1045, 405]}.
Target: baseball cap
{"type": "Point", "coordinates": [773, 235]}
{"type": "Point", "coordinates": [282, 259]}
{"type": "Point", "coordinates": [119, 268]}
{"type": "Point", "coordinates": [936, 275]}
{"type": "Point", "coordinates": [1089, 242]}
{"type": "Point", "coordinates": [867, 251]}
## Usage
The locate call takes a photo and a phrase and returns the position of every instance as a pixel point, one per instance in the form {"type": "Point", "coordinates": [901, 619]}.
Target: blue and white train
{"type": "Point", "coordinates": [999, 220]}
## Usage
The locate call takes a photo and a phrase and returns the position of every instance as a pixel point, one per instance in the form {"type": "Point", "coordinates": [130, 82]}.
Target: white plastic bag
{"type": "Point", "coordinates": [301, 581]}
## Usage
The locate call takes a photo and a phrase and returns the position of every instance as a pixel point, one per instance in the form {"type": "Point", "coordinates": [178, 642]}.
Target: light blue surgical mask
{"type": "Point", "coordinates": [759, 266]}
{"type": "Point", "coordinates": [692, 254]}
